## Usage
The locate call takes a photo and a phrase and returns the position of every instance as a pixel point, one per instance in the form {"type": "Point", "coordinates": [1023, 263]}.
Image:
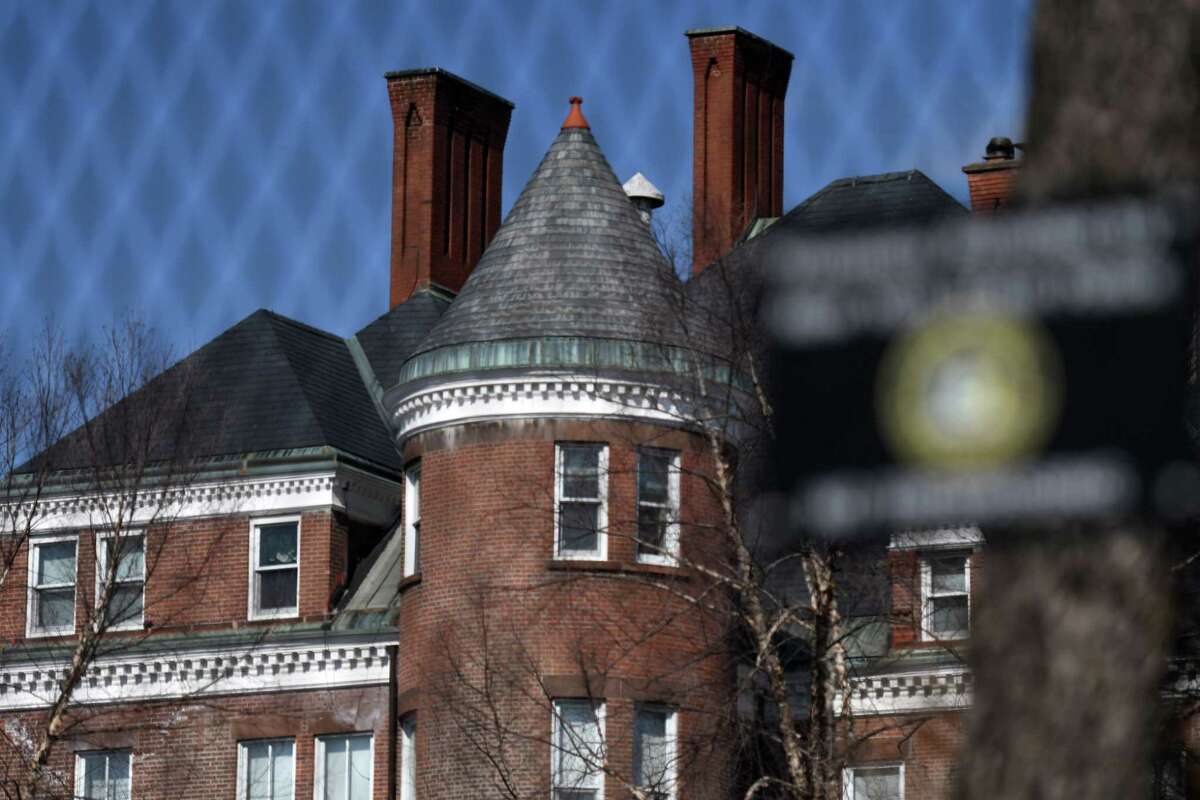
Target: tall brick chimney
{"type": "Point", "coordinates": [447, 159]}
{"type": "Point", "coordinates": [740, 82]}
{"type": "Point", "coordinates": [990, 181]}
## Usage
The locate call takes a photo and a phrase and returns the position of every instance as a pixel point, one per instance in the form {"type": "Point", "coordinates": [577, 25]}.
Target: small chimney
{"type": "Point", "coordinates": [740, 82]}
{"type": "Point", "coordinates": [990, 181]}
{"type": "Point", "coordinates": [447, 159]}
{"type": "Point", "coordinates": [644, 195]}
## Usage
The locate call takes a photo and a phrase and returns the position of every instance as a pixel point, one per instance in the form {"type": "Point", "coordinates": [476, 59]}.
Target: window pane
{"type": "Point", "coordinates": [949, 616]}
{"type": "Point", "coordinates": [653, 472]}
{"type": "Point", "coordinates": [281, 765]}
{"type": "Point", "coordinates": [652, 529]}
{"type": "Point", "coordinates": [56, 563]}
{"type": "Point", "coordinates": [93, 776]}
{"type": "Point", "coordinates": [125, 604]}
{"type": "Point", "coordinates": [581, 471]}
{"type": "Point", "coordinates": [408, 760]}
{"type": "Point", "coordinates": [360, 768]}
{"type": "Point", "coordinates": [948, 574]}
{"type": "Point", "coordinates": [651, 752]}
{"type": "Point", "coordinates": [335, 768]}
{"type": "Point", "coordinates": [56, 608]}
{"type": "Point", "coordinates": [131, 565]}
{"type": "Point", "coordinates": [118, 776]}
{"type": "Point", "coordinates": [578, 525]}
{"type": "Point", "coordinates": [877, 784]}
{"type": "Point", "coordinates": [258, 771]}
{"type": "Point", "coordinates": [576, 794]}
{"type": "Point", "coordinates": [277, 589]}
{"type": "Point", "coordinates": [579, 746]}
{"type": "Point", "coordinates": [277, 544]}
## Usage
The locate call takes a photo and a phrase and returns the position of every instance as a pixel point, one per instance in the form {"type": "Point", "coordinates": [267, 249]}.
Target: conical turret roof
{"type": "Point", "coordinates": [573, 260]}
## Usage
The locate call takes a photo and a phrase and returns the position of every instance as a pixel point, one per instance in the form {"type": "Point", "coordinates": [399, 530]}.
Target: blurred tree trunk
{"type": "Point", "coordinates": [1073, 623]}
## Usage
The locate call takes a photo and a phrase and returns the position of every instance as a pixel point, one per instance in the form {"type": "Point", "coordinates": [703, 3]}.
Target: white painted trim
{"type": "Point", "coordinates": [31, 631]}
{"type": "Point", "coordinates": [252, 611]}
{"type": "Point", "coordinates": [602, 478]}
{"type": "Point", "coordinates": [368, 498]}
{"type": "Point", "coordinates": [319, 759]}
{"type": "Point", "coordinates": [243, 763]}
{"type": "Point", "coordinates": [102, 538]}
{"type": "Point", "coordinates": [408, 758]}
{"type": "Point", "coordinates": [555, 730]}
{"type": "Point", "coordinates": [944, 689]}
{"type": "Point", "coordinates": [848, 777]}
{"type": "Point", "coordinates": [927, 595]}
{"type": "Point", "coordinates": [412, 517]}
{"type": "Point", "coordinates": [358, 661]}
{"type": "Point", "coordinates": [939, 539]}
{"type": "Point", "coordinates": [81, 755]}
{"type": "Point", "coordinates": [672, 787]}
{"type": "Point", "coordinates": [670, 555]}
{"type": "Point", "coordinates": [558, 396]}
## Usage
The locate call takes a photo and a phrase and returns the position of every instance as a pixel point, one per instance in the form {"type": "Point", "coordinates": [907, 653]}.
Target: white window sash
{"type": "Point", "coordinates": [81, 769]}
{"type": "Point", "coordinates": [556, 751]}
{"type": "Point", "coordinates": [408, 759]}
{"type": "Point", "coordinates": [104, 543]}
{"type": "Point", "coordinates": [35, 589]}
{"type": "Point", "coordinates": [342, 740]}
{"type": "Point", "coordinates": [412, 519]}
{"type": "Point", "coordinates": [600, 500]}
{"type": "Point", "coordinates": [252, 598]}
{"type": "Point", "coordinates": [928, 595]}
{"type": "Point", "coordinates": [848, 778]}
{"type": "Point", "coordinates": [670, 547]}
{"type": "Point", "coordinates": [243, 765]}
{"type": "Point", "coordinates": [670, 783]}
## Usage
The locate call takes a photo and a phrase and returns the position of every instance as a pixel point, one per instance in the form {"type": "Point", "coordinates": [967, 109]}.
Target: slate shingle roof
{"type": "Point", "coordinates": [573, 258]}
{"type": "Point", "coordinates": [892, 198]}
{"type": "Point", "coordinates": [389, 340]}
{"type": "Point", "coordinates": [269, 383]}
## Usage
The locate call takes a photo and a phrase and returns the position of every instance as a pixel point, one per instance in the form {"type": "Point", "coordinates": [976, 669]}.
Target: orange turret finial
{"type": "Point", "coordinates": [575, 117]}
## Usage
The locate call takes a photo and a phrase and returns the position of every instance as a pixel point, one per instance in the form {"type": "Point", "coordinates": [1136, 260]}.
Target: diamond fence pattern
{"type": "Point", "coordinates": [193, 161]}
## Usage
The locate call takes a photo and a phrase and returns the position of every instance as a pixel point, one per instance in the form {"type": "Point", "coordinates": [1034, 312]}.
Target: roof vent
{"type": "Point", "coordinates": [644, 195]}
{"type": "Point", "coordinates": [1000, 147]}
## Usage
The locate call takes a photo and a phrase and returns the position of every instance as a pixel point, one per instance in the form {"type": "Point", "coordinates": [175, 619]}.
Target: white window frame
{"type": "Point", "coordinates": [408, 758]}
{"type": "Point", "coordinates": [555, 728]}
{"type": "Point", "coordinates": [601, 551]}
{"type": "Point", "coordinates": [670, 551]}
{"type": "Point", "coordinates": [32, 631]}
{"type": "Point", "coordinates": [848, 777]}
{"type": "Point", "coordinates": [672, 780]}
{"type": "Point", "coordinates": [319, 767]}
{"type": "Point", "coordinates": [82, 755]}
{"type": "Point", "coordinates": [927, 594]}
{"type": "Point", "coordinates": [252, 611]}
{"type": "Point", "coordinates": [103, 538]}
{"type": "Point", "coordinates": [243, 763]}
{"type": "Point", "coordinates": [412, 519]}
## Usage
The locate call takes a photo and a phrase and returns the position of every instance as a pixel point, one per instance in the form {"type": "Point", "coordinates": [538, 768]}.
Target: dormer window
{"type": "Point", "coordinates": [946, 595]}
{"type": "Point", "coordinates": [274, 568]}
{"type": "Point", "coordinates": [581, 501]}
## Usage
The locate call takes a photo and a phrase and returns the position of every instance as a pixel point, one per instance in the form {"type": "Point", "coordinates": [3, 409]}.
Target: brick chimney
{"type": "Point", "coordinates": [447, 158]}
{"type": "Point", "coordinates": [991, 181]}
{"type": "Point", "coordinates": [740, 82]}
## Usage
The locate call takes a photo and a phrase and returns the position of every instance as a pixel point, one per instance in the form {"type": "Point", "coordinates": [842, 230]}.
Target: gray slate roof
{"type": "Point", "coordinates": [573, 258]}
{"type": "Point", "coordinates": [267, 384]}
{"type": "Point", "coordinates": [389, 340]}
{"type": "Point", "coordinates": [892, 198]}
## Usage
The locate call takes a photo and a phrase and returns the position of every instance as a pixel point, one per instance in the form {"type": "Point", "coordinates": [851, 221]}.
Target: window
{"type": "Point", "coordinates": [945, 589]}
{"type": "Point", "coordinates": [658, 506]}
{"type": "Point", "coordinates": [275, 568]}
{"type": "Point", "coordinates": [874, 782]}
{"type": "Point", "coordinates": [267, 770]}
{"type": "Point", "coordinates": [412, 520]}
{"type": "Point", "coordinates": [103, 775]}
{"type": "Point", "coordinates": [581, 501]}
{"type": "Point", "coordinates": [654, 751]}
{"type": "Point", "coordinates": [344, 767]}
{"type": "Point", "coordinates": [125, 604]}
{"type": "Point", "coordinates": [578, 742]}
{"type": "Point", "coordinates": [52, 587]}
{"type": "Point", "coordinates": [408, 759]}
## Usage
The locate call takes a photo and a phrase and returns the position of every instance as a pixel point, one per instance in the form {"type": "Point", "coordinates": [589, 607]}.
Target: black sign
{"type": "Point", "coordinates": [1027, 367]}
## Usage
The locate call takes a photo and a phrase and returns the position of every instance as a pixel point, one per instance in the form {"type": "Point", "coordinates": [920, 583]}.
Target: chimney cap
{"type": "Point", "coordinates": [639, 188]}
{"type": "Point", "coordinates": [1000, 147]}
{"type": "Point", "coordinates": [438, 72]}
{"type": "Point", "coordinates": [575, 118]}
{"type": "Point", "coordinates": [724, 30]}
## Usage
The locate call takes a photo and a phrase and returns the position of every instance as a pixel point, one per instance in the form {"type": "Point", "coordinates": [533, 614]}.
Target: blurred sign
{"type": "Point", "coordinates": [1019, 368]}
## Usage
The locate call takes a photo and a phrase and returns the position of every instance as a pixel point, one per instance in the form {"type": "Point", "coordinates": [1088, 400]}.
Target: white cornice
{"type": "Point", "coordinates": [963, 538]}
{"type": "Point", "coordinates": [458, 402]}
{"type": "Point", "coordinates": [361, 495]}
{"type": "Point", "coordinates": [944, 689]}
{"type": "Point", "coordinates": [192, 672]}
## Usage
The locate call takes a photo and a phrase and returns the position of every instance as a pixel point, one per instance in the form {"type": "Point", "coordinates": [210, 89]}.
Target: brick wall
{"type": "Point", "coordinates": [928, 745]}
{"type": "Point", "coordinates": [495, 622]}
{"type": "Point", "coordinates": [904, 575]}
{"type": "Point", "coordinates": [991, 185]}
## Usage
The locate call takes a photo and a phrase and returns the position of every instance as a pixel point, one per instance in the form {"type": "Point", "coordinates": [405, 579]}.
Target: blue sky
{"type": "Point", "coordinates": [191, 162]}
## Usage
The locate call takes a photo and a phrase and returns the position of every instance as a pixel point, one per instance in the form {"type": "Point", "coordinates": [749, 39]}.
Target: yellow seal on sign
{"type": "Point", "coordinates": [968, 392]}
